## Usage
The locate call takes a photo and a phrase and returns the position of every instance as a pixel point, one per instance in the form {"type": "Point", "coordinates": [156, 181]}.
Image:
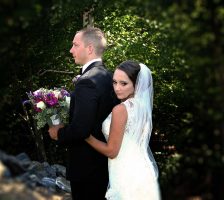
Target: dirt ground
{"type": "Point", "coordinates": [19, 191]}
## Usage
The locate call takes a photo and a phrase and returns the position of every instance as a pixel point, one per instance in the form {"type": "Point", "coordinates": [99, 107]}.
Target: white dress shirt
{"type": "Point", "coordinates": [89, 63]}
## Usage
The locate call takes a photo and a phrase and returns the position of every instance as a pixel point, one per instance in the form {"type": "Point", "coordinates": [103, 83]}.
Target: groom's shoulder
{"type": "Point", "coordinates": [100, 73]}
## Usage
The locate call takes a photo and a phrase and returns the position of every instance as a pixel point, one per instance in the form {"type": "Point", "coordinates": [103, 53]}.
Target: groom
{"type": "Point", "coordinates": [91, 102]}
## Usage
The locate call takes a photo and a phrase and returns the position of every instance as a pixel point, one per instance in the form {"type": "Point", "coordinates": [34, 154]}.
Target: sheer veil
{"type": "Point", "coordinates": [143, 104]}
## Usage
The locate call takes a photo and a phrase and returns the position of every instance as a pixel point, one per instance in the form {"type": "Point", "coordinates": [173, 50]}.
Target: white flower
{"type": "Point", "coordinates": [36, 92]}
{"type": "Point", "coordinates": [41, 105]}
{"type": "Point", "coordinates": [57, 93]}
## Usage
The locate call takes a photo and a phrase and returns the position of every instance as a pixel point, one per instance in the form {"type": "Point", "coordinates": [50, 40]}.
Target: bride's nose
{"type": "Point", "coordinates": [117, 88]}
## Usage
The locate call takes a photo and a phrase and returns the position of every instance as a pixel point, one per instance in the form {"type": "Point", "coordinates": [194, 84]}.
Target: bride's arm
{"type": "Point", "coordinates": [117, 127]}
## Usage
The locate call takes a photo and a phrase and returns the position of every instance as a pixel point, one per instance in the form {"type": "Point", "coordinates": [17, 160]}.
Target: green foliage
{"type": "Point", "coordinates": [155, 43]}
{"type": "Point", "coordinates": [43, 117]}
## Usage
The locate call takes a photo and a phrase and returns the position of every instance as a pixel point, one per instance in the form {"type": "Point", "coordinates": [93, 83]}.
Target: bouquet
{"type": "Point", "coordinates": [51, 106]}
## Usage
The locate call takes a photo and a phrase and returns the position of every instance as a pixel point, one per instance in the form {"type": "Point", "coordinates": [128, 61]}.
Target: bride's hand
{"type": "Point", "coordinates": [89, 139]}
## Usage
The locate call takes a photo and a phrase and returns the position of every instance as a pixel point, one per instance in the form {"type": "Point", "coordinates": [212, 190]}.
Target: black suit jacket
{"type": "Point", "coordinates": [91, 102]}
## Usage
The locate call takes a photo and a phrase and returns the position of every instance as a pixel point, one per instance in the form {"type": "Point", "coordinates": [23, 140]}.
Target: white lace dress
{"type": "Point", "coordinates": [130, 176]}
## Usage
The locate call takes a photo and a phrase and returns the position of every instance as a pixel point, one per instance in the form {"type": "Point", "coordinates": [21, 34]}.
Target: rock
{"type": "Point", "coordinates": [63, 184]}
{"type": "Point", "coordinates": [24, 159]}
{"type": "Point", "coordinates": [12, 163]}
{"type": "Point", "coordinates": [42, 170]}
{"type": "Point", "coordinates": [32, 174]}
{"type": "Point", "coordinates": [60, 170]}
{"type": "Point", "coordinates": [4, 172]}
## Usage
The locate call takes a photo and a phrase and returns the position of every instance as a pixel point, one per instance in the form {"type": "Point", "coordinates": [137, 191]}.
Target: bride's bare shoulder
{"type": "Point", "coordinates": [119, 109]}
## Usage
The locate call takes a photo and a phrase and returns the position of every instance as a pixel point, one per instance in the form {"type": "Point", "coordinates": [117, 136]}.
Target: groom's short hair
{"type": "Point", "coordinates": [95, 36]}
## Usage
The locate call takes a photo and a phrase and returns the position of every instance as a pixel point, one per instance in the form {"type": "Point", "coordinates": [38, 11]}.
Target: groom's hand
{"type": "Point", "coordinates": [53, 131]}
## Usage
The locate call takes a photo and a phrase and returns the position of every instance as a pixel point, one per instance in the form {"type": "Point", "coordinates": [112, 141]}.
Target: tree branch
{"type": "Point", "coordinates": [55, 71]}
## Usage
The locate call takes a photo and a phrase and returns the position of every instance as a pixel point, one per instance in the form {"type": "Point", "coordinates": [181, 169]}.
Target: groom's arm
{"type": "Point", "coordinates": [84, 114]}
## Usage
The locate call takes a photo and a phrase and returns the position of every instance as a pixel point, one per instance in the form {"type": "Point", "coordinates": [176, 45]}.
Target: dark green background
{"type": "Point", "coordinates": [180, 41]}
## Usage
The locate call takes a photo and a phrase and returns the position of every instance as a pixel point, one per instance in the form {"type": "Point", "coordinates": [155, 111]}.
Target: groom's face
{"type": "Point", "coordinates": [79, 51]}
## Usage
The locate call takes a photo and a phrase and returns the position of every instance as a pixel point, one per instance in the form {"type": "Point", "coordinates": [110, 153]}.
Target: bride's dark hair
{"type": "Point", "coordinates": [131, 68]}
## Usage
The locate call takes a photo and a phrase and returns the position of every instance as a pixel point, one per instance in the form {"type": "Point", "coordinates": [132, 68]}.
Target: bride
{"type": "Point", "coordinates": [133, 171]}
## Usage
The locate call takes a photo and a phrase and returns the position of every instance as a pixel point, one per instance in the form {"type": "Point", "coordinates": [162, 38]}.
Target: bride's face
{"type": "Point", "coordinates": [123, 86]}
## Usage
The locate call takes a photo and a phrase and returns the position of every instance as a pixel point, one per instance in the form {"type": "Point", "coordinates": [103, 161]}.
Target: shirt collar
{"type": "Point", "coordinates": [89, 63]}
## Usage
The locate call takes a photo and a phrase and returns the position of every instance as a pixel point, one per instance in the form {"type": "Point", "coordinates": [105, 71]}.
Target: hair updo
{"type": "Point", "coordinates": [131, 68]}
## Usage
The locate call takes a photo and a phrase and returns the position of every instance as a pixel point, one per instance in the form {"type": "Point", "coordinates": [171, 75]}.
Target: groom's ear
{"type": "Point", "coordinates": [91, 49]}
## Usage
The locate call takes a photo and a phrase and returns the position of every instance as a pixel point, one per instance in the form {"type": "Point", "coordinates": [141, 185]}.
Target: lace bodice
{"type": "Point", "coordinates": [131, 177]}
{"type": "Point", "coordinates": [106, 124]}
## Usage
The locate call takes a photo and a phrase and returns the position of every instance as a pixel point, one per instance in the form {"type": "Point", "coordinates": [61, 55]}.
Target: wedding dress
{"type": "Point", "coordinates": [133, 172]}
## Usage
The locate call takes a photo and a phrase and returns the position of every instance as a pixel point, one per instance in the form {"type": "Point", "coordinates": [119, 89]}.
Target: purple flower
{"type": "Point", "coordinates": [51, 100]}
{"type": "Point", "coordinates": [38, 96]}
{"type": "Point", "coordinates": [37, 109]}
{"type": "Point", "coordinates": [64, 93]}
{"type": "Point", "coordinates": [76, 78]}
{"type": "Point", "coordinates": [26, 102]}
